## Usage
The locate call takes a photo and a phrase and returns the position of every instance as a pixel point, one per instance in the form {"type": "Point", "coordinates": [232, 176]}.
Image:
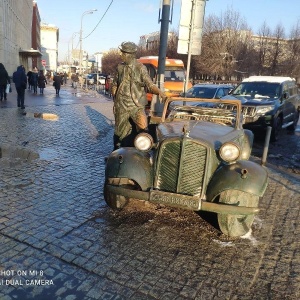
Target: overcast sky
{"type": "Point", "coordinates": [116, 21]}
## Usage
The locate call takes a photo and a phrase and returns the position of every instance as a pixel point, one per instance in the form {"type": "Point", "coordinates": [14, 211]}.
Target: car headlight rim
{"type": "Point", "coordinates": [261, 110]}
{"type": "Point", "coordinates": [229, 152]}
{"type": "Point", "coordinates": [143, 142]}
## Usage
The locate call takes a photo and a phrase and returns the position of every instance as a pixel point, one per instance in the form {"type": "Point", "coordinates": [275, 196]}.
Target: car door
{"type": "Point", "coordinates": [220, 93]}
{"type": "Point", "coordinates": [288, 101]}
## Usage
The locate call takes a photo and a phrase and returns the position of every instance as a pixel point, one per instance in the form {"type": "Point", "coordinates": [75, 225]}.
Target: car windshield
{"type": "Point", "coordinates": [216, 113]}
{"type": "Point", "coordinates": [258, 89]}
{"type": "Point", "coordinates": [201, 92]}
{"type": "Point", "coordinates": [174, 75]}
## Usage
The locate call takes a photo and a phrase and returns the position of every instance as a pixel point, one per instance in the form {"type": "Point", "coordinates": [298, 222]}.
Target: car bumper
{"type": "Point", "coordinates": [182, 201]}
{"type": "Point", "coordinates": [261, 122]}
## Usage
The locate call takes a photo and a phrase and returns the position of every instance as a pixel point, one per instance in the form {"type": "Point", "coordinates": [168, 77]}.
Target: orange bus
{"type": "Point", "coordinates": [174, 75]}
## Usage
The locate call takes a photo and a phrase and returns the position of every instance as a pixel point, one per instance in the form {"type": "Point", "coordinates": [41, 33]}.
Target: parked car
{"type": "Point", "coordinates": [198, 159]}
{"type": "Point", "coordinates": [101, 78]}
{"type": "Point", "coordinates": [209, 91]}
{"type": "Point", "coordinates": [268, 101]}
{"type": "Point", "coordinates": [88, 79]}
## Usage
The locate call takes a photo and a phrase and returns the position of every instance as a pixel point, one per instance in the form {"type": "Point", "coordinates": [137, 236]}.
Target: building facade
{"type": "Point", "coordinates": [49, 46]}
{"type": "Point", "coordinates": [16, 34]}
{"type": "Point", "coordinates": [35, 36]}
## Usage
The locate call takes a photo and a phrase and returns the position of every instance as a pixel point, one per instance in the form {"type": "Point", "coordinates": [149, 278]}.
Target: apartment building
{"type": "Point", "coordinates": [49, 46]}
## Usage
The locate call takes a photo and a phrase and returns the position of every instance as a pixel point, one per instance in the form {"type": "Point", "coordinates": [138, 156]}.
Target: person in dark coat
{"type": "Point", "coordinates": [42, 81]}
{"type": "Point", "coordinates": [29, 73]}
{"type": "Point", "coordinates": [57, 81]}
{"type": "Point", "coordinates": [34, 80]}
{"type": "Point", "coordinates": [4, 80]}
{"type": "Point", "coordinates": [20, 80]}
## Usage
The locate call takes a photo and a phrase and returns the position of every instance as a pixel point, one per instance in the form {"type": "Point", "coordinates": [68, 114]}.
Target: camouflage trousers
{"type": "Point", "coordinates": [125, 119]}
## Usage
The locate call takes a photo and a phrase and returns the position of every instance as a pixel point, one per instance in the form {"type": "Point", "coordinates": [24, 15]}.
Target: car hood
{"type": "Point", "coordinates": [257, 101]}
{"type": "Point", "coordinates": [209, 133]}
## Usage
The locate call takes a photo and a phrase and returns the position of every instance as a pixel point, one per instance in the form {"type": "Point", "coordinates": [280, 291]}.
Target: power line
{"type": "Point", "coordinates": [100, 20]}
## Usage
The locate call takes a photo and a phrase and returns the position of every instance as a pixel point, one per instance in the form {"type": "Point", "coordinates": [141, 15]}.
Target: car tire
{"type": "Point", "coordinates": [294, 125]}
{"type": "Point", "coordinates": [114, 201]}
{"type": "Point", "coordinates": [276, 129]}
{"type": "Point", "coordinates": [236, 225]}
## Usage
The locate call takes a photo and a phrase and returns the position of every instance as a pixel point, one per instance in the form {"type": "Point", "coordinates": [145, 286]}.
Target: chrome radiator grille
{"type": "Point", "coordinates": [181, 167]}
{"type": "Point", "coordinates": [248, 111]}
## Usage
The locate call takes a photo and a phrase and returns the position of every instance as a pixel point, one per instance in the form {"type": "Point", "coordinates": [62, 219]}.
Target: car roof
{"type": "Point", "coordinates": [275, 79]}
{"type": "Point", "coordinates": [211, 85]}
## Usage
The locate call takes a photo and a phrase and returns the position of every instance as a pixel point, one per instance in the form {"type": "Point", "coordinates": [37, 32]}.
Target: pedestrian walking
{"type": "Point", "coordinates": [34, 79]}
{"type": "Point", "coordinates": [20, 80]}
{"type": "Point", "coordinates": [29, 73]}
{"type": "Point", "coordinates": [4, 80]}
{"type": "Point", "coordinates": [42, 81]}
{"type": "Point", "coordinates": [75, 80]}
{"type": "Point", "coordinates": [65, 78]}
{"type": "Point", "coordinates": [128, 90]}
{"type": "Point", "coordinates": [57, 81]}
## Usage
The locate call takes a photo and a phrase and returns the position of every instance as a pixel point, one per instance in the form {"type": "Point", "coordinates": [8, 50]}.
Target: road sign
{"type": "Point", "coordinates": [191, 24]}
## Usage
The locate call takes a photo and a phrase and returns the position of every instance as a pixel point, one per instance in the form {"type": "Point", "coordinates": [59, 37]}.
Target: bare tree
{"type": "Point", "coordinates": [110, 60]}
{"type": "Point", "coordinates": [262, 46]}
{"type": "Point", "coordinates": [293, 52]}
{"type": "Point", "coordinates": [224, 44]}
{"type": "Point", "coordinates": [278, 46]}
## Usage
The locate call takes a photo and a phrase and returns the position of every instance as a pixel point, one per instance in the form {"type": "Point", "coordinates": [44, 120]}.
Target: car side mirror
{"type": "Point", "coordinates": [286, 95]}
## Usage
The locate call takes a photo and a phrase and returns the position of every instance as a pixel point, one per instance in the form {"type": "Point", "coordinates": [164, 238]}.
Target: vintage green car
{"type": "Point", "coordinates": [197, 160]}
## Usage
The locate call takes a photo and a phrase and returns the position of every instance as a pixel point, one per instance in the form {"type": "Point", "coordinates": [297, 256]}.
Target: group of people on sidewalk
{"type": "Point", "coordinates": [20, 80]}
{"type": "Point", "coordinates": [33, 79]}
{"type": "Point", "coordinates": [36, 79]}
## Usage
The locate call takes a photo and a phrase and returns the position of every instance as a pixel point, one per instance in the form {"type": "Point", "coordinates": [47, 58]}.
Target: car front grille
{"type": "Point", "coordinates": [181, 167]}
{"type": "Point", "coordinates": [248, 111]}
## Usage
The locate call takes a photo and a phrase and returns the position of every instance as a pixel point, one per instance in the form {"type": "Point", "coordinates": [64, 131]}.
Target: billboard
{"type": "Point", "coordinates": [191, 26]}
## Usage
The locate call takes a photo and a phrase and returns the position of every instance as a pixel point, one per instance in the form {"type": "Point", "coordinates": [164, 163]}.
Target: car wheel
{"type": "Point", "coordinates": [113, 200]}
{"type": "Point", "coordinates": [236, 225]}
{"type": "Point", "coordinates": [294, 125]}
{"type": "Point", "coordinates": [276, 129]}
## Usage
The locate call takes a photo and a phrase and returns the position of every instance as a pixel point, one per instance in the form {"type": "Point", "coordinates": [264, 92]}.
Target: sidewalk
{"type": "Point", "coordinates": [66, 96]}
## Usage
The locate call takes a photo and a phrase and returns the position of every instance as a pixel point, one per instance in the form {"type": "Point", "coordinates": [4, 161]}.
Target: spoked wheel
{"type": "Point", "coordinates": [236, 225]}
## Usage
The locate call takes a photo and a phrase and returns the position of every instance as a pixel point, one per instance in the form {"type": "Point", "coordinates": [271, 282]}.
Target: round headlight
{"type": "Point", "coordinates": [229, 152]}
{"type": "Point", "coordinates": [143, 142]}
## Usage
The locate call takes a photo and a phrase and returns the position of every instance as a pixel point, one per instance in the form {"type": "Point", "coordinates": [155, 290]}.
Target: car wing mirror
{"type": "Point", "coordinates": [286, 95]}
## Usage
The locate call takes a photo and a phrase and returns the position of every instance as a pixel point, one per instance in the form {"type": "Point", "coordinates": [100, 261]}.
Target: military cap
{"type": "Point", "coordinates": [128, 47]}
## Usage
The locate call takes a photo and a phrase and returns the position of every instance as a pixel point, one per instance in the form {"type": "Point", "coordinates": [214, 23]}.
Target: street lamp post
{"type": "Point", "coordinates": [80, 39]}
{"type": "Point", "coordinates": [70, 54]}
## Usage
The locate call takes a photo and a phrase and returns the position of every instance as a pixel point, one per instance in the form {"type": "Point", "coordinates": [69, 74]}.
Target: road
{"type": "Point", "coordinates": [59, 240]}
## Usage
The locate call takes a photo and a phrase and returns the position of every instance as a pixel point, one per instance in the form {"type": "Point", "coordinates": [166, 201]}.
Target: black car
{"type": "Point", "coordinates": [268, 101]}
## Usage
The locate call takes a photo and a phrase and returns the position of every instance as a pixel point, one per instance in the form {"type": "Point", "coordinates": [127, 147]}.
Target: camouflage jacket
{"type": "Point", "coordinates": [131, 81]}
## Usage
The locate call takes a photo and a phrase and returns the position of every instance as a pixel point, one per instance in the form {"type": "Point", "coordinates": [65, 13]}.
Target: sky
{"type": "Point", "coordinates": [116, 21]}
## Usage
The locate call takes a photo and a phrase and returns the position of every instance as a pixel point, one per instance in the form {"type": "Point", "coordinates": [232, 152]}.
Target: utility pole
{"type": "Point", "coordinates": [156, 105]}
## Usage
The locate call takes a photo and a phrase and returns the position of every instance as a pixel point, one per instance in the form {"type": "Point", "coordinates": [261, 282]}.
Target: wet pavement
{"type": "Point", "coordinates": [59, 240]}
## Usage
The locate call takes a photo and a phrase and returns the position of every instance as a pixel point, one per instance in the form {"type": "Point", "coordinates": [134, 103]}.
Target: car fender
{"type": "Point", "coordinates": [243, 175]}
{"type": "Point", "coordinates": [130, 163]}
